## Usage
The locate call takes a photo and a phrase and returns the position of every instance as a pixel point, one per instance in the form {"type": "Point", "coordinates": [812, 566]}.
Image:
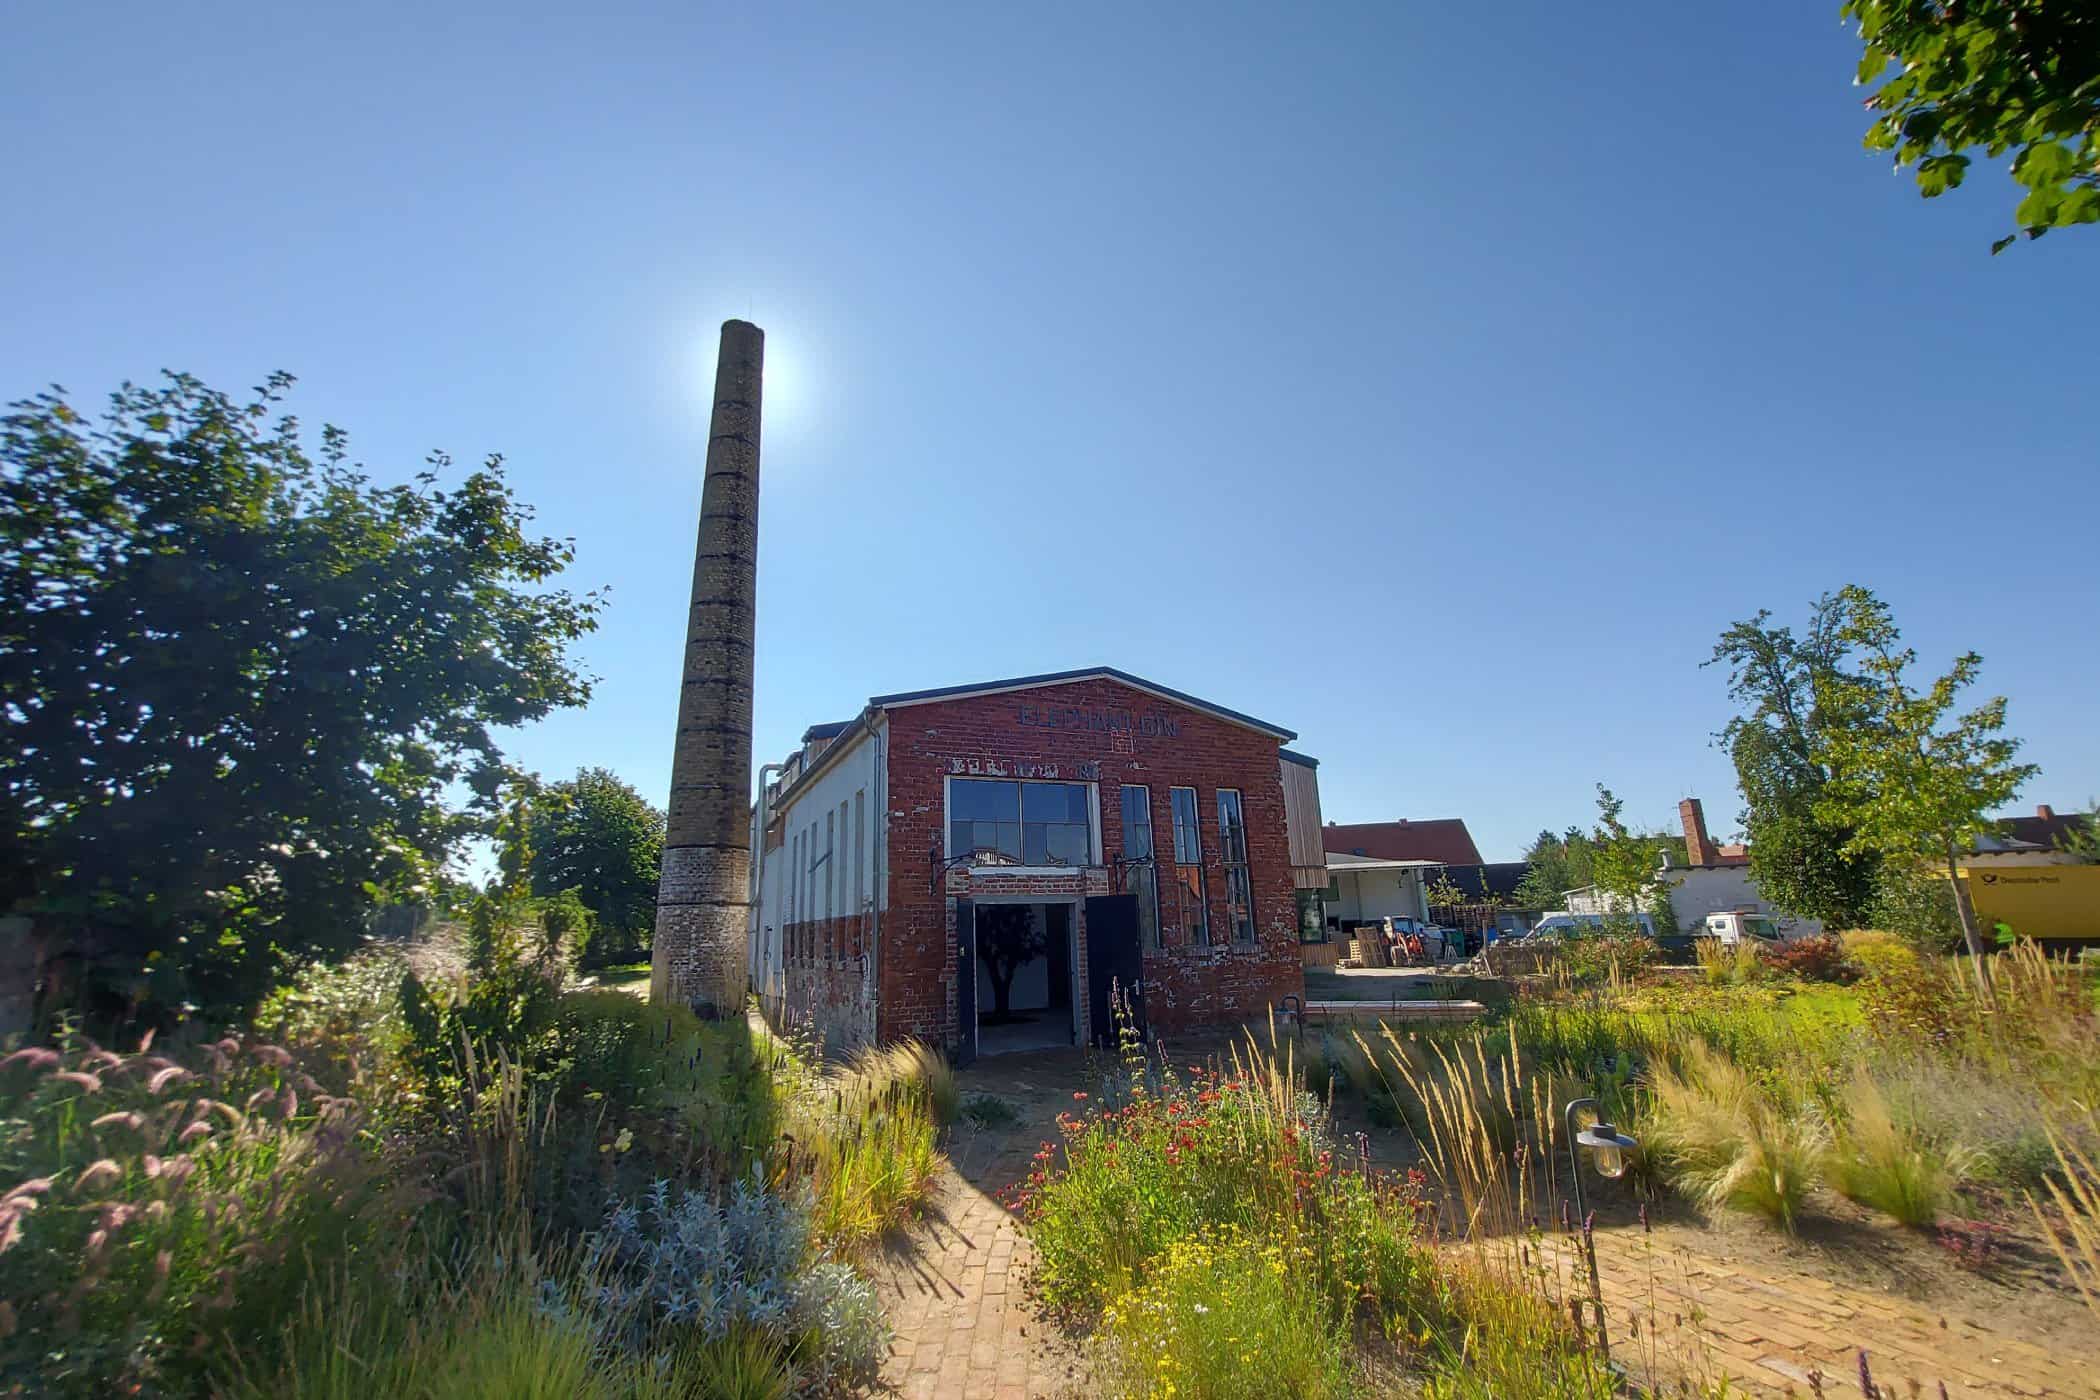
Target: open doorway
{"type": "Point", "coordinates": [1025, 984]}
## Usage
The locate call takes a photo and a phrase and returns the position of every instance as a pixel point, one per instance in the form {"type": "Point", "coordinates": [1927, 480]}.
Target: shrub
{"type": "Point", "coordinates": [740, 1266]}
{"type": "Point", "coordinates": [150, 1209]}
{"type": "Point", "coordinates": [1976, 1245]}
{"type": "Point", "coordinates": [1223, 1318]}
{"type": "Point", "coordinates": [343, 1020]}
{"type": "Point", "coordinates": [1886, 1166]}
{"type": "Point", "coordinates": [1715, 1137]}
{"type": "Point", "coordinates": [908, 1069]}
{"type": "Point", "coordinates": [1818, 959]}
{"type": "Point", "coordinates": [1616, 955]}
{"type": "Point", "coordinates": [868, 1141]}
{"type": "Point", "coordinates": [1727, 964]}
{"type": "Point", "coordinates": [989, 1111]}
{"type": "Point", "coordinates": [1222, 1149]}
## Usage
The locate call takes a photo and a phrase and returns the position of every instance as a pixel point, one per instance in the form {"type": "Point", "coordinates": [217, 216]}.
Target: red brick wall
{"type": "Point", "coordinates": [1002, 735]}
{"type": "Point", "coordinates": [825, 976]}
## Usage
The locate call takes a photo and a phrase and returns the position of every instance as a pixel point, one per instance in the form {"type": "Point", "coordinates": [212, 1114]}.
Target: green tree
{"type": "Point", "coordinates": [239, 681]}
{"type": "Point", "coordinates": [1995, 76]}
{"type": "Point", "coordinates": [1788, 689]}
{"type": "Point", "coordinates": [1558, 863]}
{"type": "Point", "coordinates": [1912, 779]}
{"type": "Point", "coordinates": [1627, 865]}
{"type": "Point", "coordinates": [596, 835]}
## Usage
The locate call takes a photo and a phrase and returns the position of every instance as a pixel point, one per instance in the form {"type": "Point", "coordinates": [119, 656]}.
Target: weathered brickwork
{"type": "Point", "coordinates": [1103, 732]}
{"type": "Point", "coordinates": [829, 986]}
{"type": "Point", "coordinates": [702, 907]}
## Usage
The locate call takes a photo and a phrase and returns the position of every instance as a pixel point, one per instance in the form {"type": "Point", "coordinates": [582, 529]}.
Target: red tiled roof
{"type": "Point", "coordinates": [1444, 840]}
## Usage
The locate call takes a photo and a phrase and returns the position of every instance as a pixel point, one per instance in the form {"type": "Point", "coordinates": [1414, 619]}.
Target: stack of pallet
{"type": "Point", "coordinates": [1368, 948]}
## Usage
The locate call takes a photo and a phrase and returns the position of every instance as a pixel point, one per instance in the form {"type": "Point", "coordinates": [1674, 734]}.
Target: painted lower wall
{"type": "Point", "coordinates": [818, 916]}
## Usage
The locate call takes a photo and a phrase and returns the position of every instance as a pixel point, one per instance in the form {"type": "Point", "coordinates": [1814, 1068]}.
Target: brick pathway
{"type": "Point", "coordinates": [1688, 1313]}
{"type": "Point", "coordinates": [954, 1291]}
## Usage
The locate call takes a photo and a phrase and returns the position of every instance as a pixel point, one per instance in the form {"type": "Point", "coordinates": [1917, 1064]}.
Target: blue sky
{"type": "Point", "coordinates": [1434, 380]}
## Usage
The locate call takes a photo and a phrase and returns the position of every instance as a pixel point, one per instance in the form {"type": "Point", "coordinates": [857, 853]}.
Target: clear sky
{"type": "Point", "coordinates": [1434, 380]}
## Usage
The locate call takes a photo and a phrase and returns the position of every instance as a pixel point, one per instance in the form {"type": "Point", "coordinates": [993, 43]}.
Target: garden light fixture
{"type": "Point", "coordinates": [1607, 1146]}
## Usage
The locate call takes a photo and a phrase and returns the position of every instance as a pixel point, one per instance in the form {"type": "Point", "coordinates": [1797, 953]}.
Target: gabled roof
{"type": "Point", "coordinates": [1444, 840]}
{"type": "Point", "coordinates": [957, 692]}
{"type": "Point", "coordinates": [2046, 830]}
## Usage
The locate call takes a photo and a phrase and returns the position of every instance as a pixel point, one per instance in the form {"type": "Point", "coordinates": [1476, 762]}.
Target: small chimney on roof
{"type": "Point", "coordinates": [2045, 812]}
{"type": "Point", "coordinates": [1698, 846]}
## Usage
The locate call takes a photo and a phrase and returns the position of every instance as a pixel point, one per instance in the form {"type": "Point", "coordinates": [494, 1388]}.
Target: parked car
{"type": "Point", "coordinates": [1562, 924]}
{"type": "Point", "coordinates": [1738, 924]}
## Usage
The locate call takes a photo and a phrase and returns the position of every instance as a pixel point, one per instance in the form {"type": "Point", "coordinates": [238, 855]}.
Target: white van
{"type": "Point", "coordinates": [1738, 924]}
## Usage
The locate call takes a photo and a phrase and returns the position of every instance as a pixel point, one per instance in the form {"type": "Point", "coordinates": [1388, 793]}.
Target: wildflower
{"type": "Point", "coordinates": [133, 1121]}
{"type": "Point", "coordinates": [193, 1132]}
{"type": "Point", "coordinates": [1079, 1096]}
{"type": "Point", "coordinates": [89, 1083]}
{"type": "Point", "coordinates": [162, 1078]}
{"type": "Point", "coordinates": [98, 1172]}
{"type": "Point", "coordinates": [35, 1058]}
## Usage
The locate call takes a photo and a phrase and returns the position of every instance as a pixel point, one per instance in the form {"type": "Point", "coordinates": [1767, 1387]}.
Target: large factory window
{"type": "Point", "coordinates": [1028, 823]}
{"type": "Point", "coordinates": [1139, 875]}
{"type": "Point", "coordinates": [1239, 887]}
{"type": "Point", "coordinates": [1192, 907]}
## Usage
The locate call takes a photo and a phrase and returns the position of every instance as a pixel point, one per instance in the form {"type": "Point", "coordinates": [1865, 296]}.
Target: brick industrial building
{"type": "Point", "coordinates": [1092, 828]}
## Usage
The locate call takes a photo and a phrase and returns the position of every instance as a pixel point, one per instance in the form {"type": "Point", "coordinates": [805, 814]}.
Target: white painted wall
{"type": "Point", "coordinates": [791, 882]}
{"type": "Point", "coordinates": [1695, 892]}
{"type": "Point", "coordinates": [1370, 895]}
{"type": "Point", "coordinates": [1698, 891]}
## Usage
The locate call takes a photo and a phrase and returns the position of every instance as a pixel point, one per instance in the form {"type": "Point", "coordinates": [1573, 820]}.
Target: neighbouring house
{"type": "Point", "coordinates": [982, 866]}
{"type": "Point", "coordinates": [2041, 839]}
{"type": "Point", "coordinates": [1715, 880]}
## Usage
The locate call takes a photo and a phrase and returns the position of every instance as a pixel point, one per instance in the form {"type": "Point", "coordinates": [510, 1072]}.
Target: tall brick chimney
{"type": "Point", "coordinates": [1699, 848]}
{"type": "Point", "coordinates": [702, 904]}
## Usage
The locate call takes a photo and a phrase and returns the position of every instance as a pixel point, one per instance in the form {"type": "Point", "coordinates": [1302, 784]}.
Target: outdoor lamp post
{"type": "Point", "coordinates": [1607, 1147]}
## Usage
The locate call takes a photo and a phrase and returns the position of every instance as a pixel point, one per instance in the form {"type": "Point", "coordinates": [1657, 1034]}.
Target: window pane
{"type": "Point", "coordinates": [1146, 888]}
{"type": "Point", "coordinates": [1137, 823]}
{"type": "Point", "coordinates": [1053, 802]}
{"type": "Point", "coordinates": [1191, 915]}
{"type": "Point", "coordinates": [1188, 840]}
{"type": "Point", "coordinates": [983, 799]}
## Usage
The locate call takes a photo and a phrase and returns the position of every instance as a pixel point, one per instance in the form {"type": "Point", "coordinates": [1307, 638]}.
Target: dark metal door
{"type": "Point", "coordinates": [965, 981]}
{"type": "Point", "coordinates": [1115, 965]}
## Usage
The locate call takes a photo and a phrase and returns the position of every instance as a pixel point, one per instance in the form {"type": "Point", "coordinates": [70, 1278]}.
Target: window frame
{"type": "Point", "coordinates": [1141, 871]}
{"type": "Point", "coordinates": [1091, 819]}
{"type": "Point", "coordinates": [1239, 877]}
{"type": "Point", "coordinates": [1191, 880]}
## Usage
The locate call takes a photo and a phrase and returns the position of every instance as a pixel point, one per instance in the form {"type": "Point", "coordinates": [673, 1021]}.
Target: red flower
{"type": "Point", "coordinates": [1079, 1096]}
